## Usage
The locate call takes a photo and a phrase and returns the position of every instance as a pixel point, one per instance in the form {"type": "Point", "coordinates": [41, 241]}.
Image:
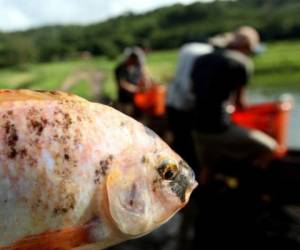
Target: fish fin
{"type": "Point", "coordinates": [129, 202]}
{"type": "Point", "coordinates": [8, 95]}
{"type": "Point", "coordinates": [64, 239]}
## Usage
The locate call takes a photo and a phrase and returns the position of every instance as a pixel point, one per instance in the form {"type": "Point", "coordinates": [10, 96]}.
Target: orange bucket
{"type": "Point", "coordinates": [152, 101]}
{"type": "Point", "coordinates": [271, 118]}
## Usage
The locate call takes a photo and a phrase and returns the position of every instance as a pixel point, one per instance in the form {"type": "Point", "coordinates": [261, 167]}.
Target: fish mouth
{"type": "Point", "coordinates": [183, 184]}
{"type": "Point", "coordinates": [192, 184]}
{"type": "Point", "coordinates": [190, 189]}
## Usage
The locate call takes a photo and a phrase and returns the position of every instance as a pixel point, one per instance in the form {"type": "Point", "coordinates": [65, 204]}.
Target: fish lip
{"type": "Point", "coordinates": [192, 181]}
{"type": "Point", "coordinates": [194, 185]}
{"type": "Point", "coordinates": [190, 190]}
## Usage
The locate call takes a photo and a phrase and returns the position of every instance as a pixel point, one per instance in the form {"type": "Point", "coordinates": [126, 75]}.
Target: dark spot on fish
{"type": "Point", "coordinates": [67, 157]}
{"type": "Point", "coordinates": [150, 132]}
{"type": "Point", "coordinates": [179, 186]}
{"type": "Point", "coordinates": [23, 152]}
{"type": "Point", "coordinates": [69, 204]}
{"type": "Point", "coordinates": [144, 159]}
{"type": "Point", "coordinates": [104, 165]}
{"type": "Point", "coordinates": [5, 201]}
{"type": "Point", "coordinates": [12, 135]}
{"type": "Point", "coordinates": [32, 161]}
{"type": "Point", "coordinates": [122, 124]}
{"type": "Point", "coordinates": [59, 211]}
{"type": "Point", "coordinates": [37, 204]}
{"type": "Point", "coordinates": [47, 92]}
{"type": "Point", "coordinates": [67, 121]}
{"type": "Point", "coordinates": [11, 139]}
{"type": "Point", "coordinates": [32, 111]}
{"type": "Point", "coordinates": [10, 112]}
{"type": "Point", "coordinates": [7, 127]}
{"type": "Point", "coordinates": [38, 126]}
{"type": "Point", "coordinates": [12, 154]}
{"type": "Point", "coordinates": [103, 168]}
{"type": "Point", "coordinates": [97, 176]}
{"type": "Point", "coordinates": [66, 173]}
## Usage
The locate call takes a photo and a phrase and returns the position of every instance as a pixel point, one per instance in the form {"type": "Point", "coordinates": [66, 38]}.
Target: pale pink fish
{"type": "Point", "coordinates": [81, 175]}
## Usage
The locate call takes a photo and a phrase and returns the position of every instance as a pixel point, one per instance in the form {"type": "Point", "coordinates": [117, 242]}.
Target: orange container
{"type": "Point", "coordinates": [271, 118]}
{"type": "Point", "coordinates": [152, 101]}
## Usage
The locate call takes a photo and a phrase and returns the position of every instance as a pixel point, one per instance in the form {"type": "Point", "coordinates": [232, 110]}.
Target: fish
{"type": "Point", "coordinates": [81, 175]}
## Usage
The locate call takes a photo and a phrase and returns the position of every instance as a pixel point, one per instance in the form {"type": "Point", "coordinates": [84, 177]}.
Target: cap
{"type": "Point", "coordinates": [247, 36]}
{"type": "Point", "coordinates": [243, 37]}
{"type": "Point", "coordinates": [136, 51]}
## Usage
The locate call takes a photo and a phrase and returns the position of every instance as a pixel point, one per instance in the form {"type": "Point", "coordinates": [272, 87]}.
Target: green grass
{"type": "Point", "coordinates": [279, 66]}
{"type": "Point", "coordinates": [50, 76]}
{"type": "Point", "coordinates": [81, 89]}
{"type": "Point", "coordinates": [162, 65]}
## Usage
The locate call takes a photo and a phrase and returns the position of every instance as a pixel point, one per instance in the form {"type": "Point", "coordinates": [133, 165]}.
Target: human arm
{"type": "Point", "coordinates": [128, 86]}
{"type": "Point", "coordinates": [242, 73]}
{"type": "Point", "coordinates": [145, 80]}
{"type": "Point", "coordinates": [239, 99]}
{"type": "Point", "coordinates": [123, 79]}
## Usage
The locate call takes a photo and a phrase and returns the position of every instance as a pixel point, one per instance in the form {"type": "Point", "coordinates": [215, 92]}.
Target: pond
{"type": "Point", "coordinates": [258, 95]}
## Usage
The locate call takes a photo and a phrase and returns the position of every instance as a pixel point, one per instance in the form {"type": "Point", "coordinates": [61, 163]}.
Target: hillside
{"type": "Point", "coordinates": [163, 28]}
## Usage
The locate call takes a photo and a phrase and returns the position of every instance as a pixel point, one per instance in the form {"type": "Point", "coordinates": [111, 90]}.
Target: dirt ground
{"type": "Point", "coordinates": [93, 78]}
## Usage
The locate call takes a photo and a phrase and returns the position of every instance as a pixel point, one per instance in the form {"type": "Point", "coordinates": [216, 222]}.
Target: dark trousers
{"type": "Point", "coordinates": [181, 125]}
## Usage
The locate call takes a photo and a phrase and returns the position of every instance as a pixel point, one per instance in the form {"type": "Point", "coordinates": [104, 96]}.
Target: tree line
{"type": "Point", "coordinates": [163, 28]}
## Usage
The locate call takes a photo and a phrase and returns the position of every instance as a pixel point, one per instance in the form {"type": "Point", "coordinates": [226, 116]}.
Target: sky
{"type": "Point", "coordinates": [24, 14]}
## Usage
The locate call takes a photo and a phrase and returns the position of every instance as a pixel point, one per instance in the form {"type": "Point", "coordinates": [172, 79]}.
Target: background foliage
{"type": "Point", "coordinates": [164, 28]}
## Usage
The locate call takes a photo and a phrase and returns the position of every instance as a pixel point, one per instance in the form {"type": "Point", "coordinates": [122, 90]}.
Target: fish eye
{"type": "Point", "coordinates": [168, 170]}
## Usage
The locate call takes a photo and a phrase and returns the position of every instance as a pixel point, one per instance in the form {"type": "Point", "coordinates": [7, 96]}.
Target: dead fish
{"type": "Point", "coordinates": [81, 175]}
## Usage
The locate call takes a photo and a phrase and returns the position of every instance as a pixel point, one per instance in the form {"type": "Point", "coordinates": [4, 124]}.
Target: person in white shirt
{"type": "Point", "coordinates": [181, 100]}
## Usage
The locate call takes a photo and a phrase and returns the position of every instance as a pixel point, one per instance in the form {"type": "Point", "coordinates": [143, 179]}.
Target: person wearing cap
{"type": "Point", "coordinates": [220, 77]}
{"type": "Point", "coordinates": [131, 77]}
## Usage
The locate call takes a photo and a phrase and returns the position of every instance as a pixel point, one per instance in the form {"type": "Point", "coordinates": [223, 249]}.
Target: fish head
{"type": "Point", "coordinates": [148, 186]}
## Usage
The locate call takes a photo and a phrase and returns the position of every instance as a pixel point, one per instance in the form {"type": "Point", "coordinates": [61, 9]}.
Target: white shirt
{"type": "Point", "coordinates": [180, 95]}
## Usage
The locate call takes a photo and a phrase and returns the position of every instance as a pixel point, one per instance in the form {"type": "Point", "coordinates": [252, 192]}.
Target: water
{"type": "Point", "coordinates": [257, 95]}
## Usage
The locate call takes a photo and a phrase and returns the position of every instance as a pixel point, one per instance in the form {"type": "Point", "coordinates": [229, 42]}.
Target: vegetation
{"type": "Point", "coordinates": [279, 66]}
{"type": "Point", "coordinates": [164, 28]}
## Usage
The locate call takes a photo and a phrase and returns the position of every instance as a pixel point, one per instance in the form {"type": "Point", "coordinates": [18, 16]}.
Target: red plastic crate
{"type": "Point", "coordinates": [152, 101]}
{"type": "Point", "coordinates": [271, 118]}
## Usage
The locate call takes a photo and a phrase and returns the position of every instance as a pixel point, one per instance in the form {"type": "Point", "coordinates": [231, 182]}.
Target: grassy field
{"type": "Point", "coordinates": [279, 66]}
